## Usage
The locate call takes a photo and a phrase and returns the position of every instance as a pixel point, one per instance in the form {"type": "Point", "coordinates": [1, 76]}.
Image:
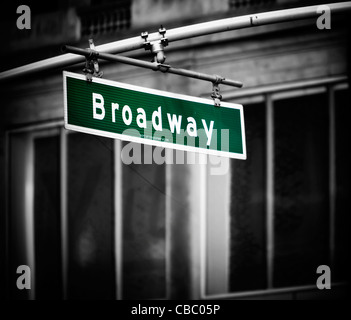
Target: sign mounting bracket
{"type": "Point", "coordinates": [91, 63]}
{"type": "Point", "coordinates": [216, 96]}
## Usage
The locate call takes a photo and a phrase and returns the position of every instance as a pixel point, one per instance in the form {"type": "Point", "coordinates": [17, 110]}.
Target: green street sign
{"type": "Point", "coordinates": [116, 110]}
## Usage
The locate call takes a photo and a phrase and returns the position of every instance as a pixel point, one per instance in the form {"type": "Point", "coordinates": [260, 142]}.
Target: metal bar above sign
{"type": "Point", "coordinates": [181, 33]}
{"type": "Point", "coordinates": [152, 65]}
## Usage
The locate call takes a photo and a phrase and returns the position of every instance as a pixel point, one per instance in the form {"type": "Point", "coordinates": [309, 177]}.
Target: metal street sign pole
{"type": "Point", "coordinates": [181, 33]}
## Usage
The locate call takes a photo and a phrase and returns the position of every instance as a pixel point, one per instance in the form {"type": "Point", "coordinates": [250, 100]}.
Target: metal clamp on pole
{"type": "Point", "coordinates": [216, 96]}
{"type": "Point", "coordinates": [156, 47]}
{"type": "Point", "coordinates": [91, 63]}
{"type": "Point", "coordinates": [163, 67]}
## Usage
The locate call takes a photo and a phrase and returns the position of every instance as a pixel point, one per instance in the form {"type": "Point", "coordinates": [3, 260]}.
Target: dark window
{"type": "Point", "coordinates": [343, 178]}
{"type": "Point", "coordinates": [144, 235]}
{"type": "Point", "coordinates": [48, 276]}
{"type": "Point", "coordinates": [247, 212]}
{"type": "Point", "coordinates": [301, 189]}
{"type": "Point", "coordinates": [91, 271]}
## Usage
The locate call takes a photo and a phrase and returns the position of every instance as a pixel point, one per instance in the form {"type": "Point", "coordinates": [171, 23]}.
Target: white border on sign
{"type": "Point", "coordinates": [149, 141]}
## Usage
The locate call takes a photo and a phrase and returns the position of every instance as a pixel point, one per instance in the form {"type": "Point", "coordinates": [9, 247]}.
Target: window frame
{"type": "Point", "coordinates": [27, 212]}
{"type": "Point", "coordinates": [57, 127]}
{"type": "Point", "coordinates": [268, 95]}
{"type": "Point", "coordinates": [44, 130]}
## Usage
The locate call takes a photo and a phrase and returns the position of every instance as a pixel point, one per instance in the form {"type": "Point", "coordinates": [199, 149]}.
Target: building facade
{"type": "Point", "coordinates": [91, 225]}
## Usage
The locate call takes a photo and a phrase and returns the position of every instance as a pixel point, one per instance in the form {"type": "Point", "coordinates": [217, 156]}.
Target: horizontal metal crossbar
{"type": "Point", "coordinates": [152, 65]}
